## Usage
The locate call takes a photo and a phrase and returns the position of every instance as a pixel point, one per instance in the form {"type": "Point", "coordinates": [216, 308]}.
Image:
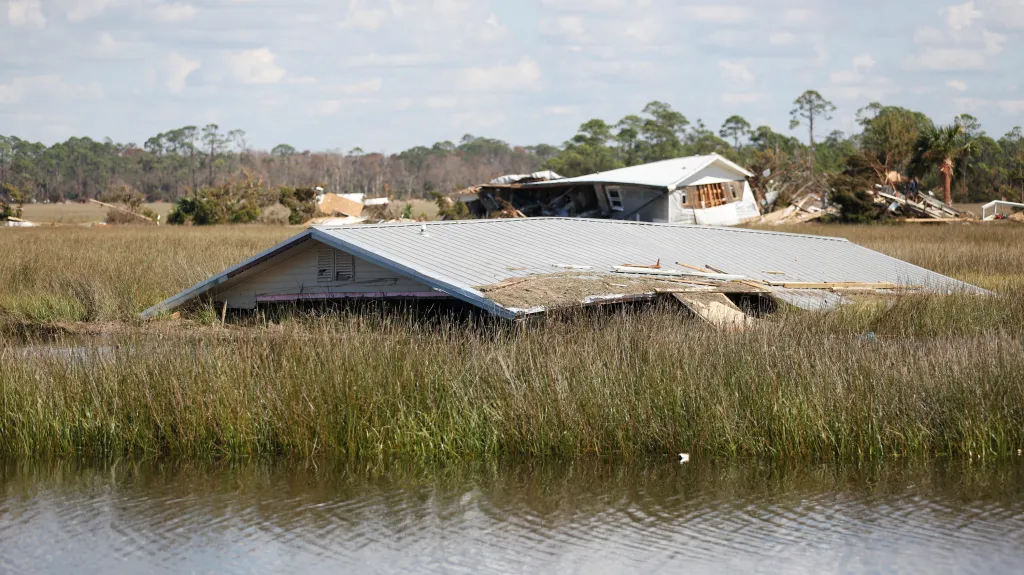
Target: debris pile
{"type": "Point", "coordinates": [907, 206]}
{"type": "Point", "coordinates": [347, 209]}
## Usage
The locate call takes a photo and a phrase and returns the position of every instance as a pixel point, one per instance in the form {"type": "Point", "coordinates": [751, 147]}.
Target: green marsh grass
{"type": "Point", "coordinates": [627, 385]}
{"type": "Point", "coordinates": [915, 378]}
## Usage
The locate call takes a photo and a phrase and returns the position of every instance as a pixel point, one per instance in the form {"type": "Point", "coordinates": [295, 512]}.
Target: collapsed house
{"type": "Point", "coordinates": [703, 190]}
{"type": "Point", "coordinates": [515, 268]}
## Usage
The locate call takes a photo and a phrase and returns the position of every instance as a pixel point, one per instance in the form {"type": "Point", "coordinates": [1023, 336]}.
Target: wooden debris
{"type": "Point", "coordinates": [123, 210]}
{"type": "Point", "coordinates": [761, 288]}
{"type": "Point", "coordinates": [715, 309]}
{"type": "Point", "coordinates": [694, 268]}
{"type": "Point", "coordinates": [505, 284]}
{"type": "Point", "coordinates": [671, 273]}
{"type": "Point", "coordinates": [656, 266]}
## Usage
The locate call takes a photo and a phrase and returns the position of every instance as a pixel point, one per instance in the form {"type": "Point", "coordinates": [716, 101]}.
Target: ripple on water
{"type": "Point", "coordinates": [552, 521]}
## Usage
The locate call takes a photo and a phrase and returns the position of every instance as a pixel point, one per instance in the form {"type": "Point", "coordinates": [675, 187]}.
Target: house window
{"type": "Point", "coordinates": [615, 198]}
{"type": "Point", "coordinates": [333, 266]}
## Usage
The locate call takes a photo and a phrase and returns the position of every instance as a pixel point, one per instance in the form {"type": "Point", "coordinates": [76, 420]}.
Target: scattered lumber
{"type": "Point", "coordinates": [673, 273]}
{"type": "Point", "coordinates": [656, 266]}
{"type": "Point", "coordinates": [715, 309]}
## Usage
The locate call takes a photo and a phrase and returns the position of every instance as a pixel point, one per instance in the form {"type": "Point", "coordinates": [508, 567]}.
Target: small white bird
{"type": "Point", "coordinates": [684, 458]}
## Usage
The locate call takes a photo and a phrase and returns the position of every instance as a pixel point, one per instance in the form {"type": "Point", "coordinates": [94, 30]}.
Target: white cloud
{"type": "Point", "coordinates": [782, 39]}
{"type": "Point", "coordinates": [85, 9]}
{"type": "Point", "coordinates": [929, 35]}
{"type": "Point", "coordinates": [957, 85]}
{"type": "Point", "coordinates": [743, 98]}
{"type": "Point", "coordinates": [798, 16]}
{"type": "Point", "coordinates": [1005, 13]}
{"type": "Point", "coordinates": [174, 12]}
{"type": "Point", "coordinates": [1013, 107]}
{"type": "Point", "coordinates": [401, 60]}
{"type": "Point", "coordinates": [719, 13]}
{"type": "Point", "coordinates": [26, 13]}
{"type": "Point", "coordinates": [365, 87]}
{"type": "Point", "coordinates": [863, 62]}
{"type": "Point", "coordinates": [323, 108]}
{"type": "Point", "coordinates": [860, 83]}
{"type": "Point", "coordinates": [360, 18]}
{"type": "Point", "coordinates": [948, 59]}
{"type": "Point", "coordinates": [561, 110]}
{"type": "Point", "coordinates": [44, 87]}
{"type": "Point", "coordinates": [179, 68]}
{"type": "Point", "coordinates": [525, 75]}
{"type": "Point", "coordinates": [255, 67]}
{"type": "Point", "coordinates": [962, 16]}
{"type": "Point", "coordinates": [736, 72]}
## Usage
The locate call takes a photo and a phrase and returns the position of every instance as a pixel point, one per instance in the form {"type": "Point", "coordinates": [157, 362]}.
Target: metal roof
{"type": "Point", "coordinates": [664, 174]}
{"type": "Point", "coordinates": [460, 256]}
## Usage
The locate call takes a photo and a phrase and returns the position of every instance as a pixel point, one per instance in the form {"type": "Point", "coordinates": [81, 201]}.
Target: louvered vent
{"type": "Point", "coordinates": [324, 265]}
{"type": "Point", "coordinates": [344, 267]}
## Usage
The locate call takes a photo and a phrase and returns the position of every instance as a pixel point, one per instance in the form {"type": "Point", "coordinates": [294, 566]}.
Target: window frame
{"type": "Point", "coordinates": [612, 201]}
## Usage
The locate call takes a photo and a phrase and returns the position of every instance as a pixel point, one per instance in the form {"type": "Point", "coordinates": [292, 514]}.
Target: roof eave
{"type": "Point", "coordinates": [206, 285]}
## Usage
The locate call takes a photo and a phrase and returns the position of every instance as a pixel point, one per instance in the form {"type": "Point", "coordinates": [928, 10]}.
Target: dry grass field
{"type": "Point", "coordinates": [71, 213]}
{"type": "Point", "coordinates": [918, 378]}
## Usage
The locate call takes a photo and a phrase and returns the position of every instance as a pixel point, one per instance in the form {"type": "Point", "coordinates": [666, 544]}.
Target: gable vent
{"type": "Point", "coordinates": [344, 266]}
{"type": "Point", "coordinates": [324, 265]}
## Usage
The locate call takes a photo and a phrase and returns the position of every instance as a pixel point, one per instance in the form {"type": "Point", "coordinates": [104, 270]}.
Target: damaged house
{"type": "Point", "coordinates": [514, 268]}
{"type": "Point", "coordinates": [702, 190]}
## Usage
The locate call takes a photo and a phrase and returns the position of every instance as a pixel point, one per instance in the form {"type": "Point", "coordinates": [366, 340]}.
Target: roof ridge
{"type": "Point", "coordinates": [577, 220]}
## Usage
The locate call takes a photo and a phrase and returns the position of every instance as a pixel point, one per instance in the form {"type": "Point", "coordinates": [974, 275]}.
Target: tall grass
{"type": "Point", "coordinates": [54, 275]}
{"type": "Point", "coordinates": [111, 274]}
{"type": "Point", "coordinates": [920, 377]}
{"type": "Point", "coordinates": [626, 386]}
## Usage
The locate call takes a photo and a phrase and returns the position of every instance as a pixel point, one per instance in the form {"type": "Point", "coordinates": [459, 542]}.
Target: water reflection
{"type": "Point", "coordinates": [598, 518]}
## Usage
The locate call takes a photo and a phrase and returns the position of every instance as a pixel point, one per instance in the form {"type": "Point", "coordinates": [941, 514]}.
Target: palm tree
{"type": "Point", "coordinates": [943, 147]}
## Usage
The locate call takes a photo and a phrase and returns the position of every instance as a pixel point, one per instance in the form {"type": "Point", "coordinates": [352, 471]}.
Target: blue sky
{"type": "Point", "coordinates": [385, 75]}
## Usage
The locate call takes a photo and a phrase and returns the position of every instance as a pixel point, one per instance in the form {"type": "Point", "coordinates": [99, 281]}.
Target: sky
{"type": "Point", "coordinates": [386, 75]}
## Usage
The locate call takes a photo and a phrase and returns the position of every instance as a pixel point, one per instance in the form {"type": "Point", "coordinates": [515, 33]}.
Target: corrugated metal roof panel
{"type": "Point", "coordinates": [460, 257]}
{"type": "Point", "coordinates": [464, 256]}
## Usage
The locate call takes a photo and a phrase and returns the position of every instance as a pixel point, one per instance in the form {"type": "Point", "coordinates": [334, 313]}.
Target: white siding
{"type": "Point", "coordinates": [728, 215]}
{"type": "Point", "coordinates": [296, 273]}
{"type": "Point", "coordinates": [714, 171]}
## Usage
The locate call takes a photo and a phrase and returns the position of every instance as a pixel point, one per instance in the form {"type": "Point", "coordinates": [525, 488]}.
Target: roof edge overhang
{"type": "Point", "coordinates": [470, 296]}
{"type": "Point", "coordinates": [205, 286]}
{"type": "Point", "coordinates": [712, 159]}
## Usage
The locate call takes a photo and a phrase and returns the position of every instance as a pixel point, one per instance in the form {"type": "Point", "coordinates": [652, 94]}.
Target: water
{"type": "Point", "coordinates": [598, 518]}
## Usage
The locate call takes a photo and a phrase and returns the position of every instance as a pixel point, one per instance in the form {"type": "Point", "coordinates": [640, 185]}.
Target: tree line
{"type": "Point", "coordinates": [179, 163]}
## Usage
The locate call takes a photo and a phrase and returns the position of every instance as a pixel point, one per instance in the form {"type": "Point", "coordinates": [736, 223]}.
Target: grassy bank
{"type": "Point", "coordinates": [923, 377]}
{"type": "Point", "coordinates": [106, 275]}
{"type": "Point", "coordinates": [630, 385]}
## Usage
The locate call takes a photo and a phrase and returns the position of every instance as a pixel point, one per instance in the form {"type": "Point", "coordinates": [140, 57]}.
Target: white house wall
{"type": "Point", "coordinates": [732, 214]}
{"type": "Point", "coordinates": [297, 275]}
{"type": "Point", "coordinates": [634, 198]}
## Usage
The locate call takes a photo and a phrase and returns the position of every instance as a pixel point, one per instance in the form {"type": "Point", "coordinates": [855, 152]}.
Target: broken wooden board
{"type": "Point", "coordinates": [715, 309]}
{"type": "Point", "coordinates": [840, 285]}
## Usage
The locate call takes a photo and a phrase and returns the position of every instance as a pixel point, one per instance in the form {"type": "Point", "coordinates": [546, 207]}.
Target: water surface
{"type": "Point", "coordinates": [598, 518]}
